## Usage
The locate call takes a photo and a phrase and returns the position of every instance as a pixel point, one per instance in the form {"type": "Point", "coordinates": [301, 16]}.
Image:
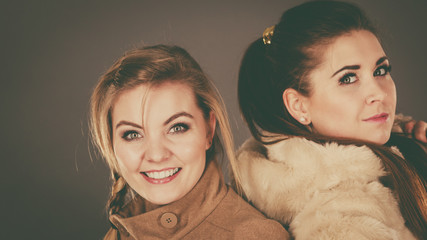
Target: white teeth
{"type": "Point", "coordinates": [162, 174]}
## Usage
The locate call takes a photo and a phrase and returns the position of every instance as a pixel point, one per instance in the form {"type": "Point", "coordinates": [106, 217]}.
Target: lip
{"type": "Point", "coordinates": [158, 173]}
{"type": "Point", "coordinates": [379, 118]}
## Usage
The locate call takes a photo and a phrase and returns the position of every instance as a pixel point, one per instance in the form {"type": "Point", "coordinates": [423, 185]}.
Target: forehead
{"type": "Point", "coordinates": [171, 95]}
{"type": "Point", "coordinates": [354, 48]}
{"type": "Point", "coordinates": [157, 102]}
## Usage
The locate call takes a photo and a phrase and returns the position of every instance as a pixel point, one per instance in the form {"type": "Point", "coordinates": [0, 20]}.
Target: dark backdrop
{"type": "Point", "coordinates": [54, 51]}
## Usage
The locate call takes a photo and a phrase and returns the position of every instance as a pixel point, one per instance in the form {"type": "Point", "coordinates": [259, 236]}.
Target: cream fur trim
{"type": "Point", "coordinates": [326, 191]}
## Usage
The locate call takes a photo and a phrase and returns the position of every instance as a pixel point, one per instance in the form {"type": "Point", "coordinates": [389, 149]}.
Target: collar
{"type": "Point", "coordinates": [178, 218]}
{"type": "Point", "coordinates": [311, 159]}
{"type": "Point", "coordinates": [305, 168]}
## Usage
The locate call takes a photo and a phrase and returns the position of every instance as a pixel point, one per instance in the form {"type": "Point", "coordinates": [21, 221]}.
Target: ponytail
{"type": "Point", "coordinates": [409, 180]}
{"type": "Point", "coordinates": [260, 95]}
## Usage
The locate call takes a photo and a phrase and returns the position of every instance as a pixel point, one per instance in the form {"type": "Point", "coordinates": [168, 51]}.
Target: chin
{"type": "Point", "coordinates": [162, 200]}
{"type": "Point", "coordinates": [381, 140]}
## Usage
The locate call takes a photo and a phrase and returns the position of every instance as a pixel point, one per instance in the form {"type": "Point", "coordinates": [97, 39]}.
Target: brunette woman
{"type": "Point", "coordinates": [318, 97]}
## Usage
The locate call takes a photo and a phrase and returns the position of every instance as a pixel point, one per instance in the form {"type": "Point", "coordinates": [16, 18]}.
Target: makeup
{"type": "Point", "coordinates": [161, 176]}
{"type": "Point", "coordinates": [379, 118]}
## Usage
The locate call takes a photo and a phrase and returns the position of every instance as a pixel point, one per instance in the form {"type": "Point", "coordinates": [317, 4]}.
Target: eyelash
{"type": "Point", "coordinates": [182, 128]}
{"type": "Point", "coordinates": [346, 76]}
{"type": "Point", "coordinates": [126, 135]}
{"type": "Point", "coordinates": [175, 129]}
{"type": "Point", "coordinates": [387, 69]}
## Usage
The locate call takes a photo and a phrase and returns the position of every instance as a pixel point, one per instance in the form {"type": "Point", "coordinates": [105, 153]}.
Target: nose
{"type": "Point", "coordinates": [156, 150]}
{"type": "Point", "coordinates": [375, 91]}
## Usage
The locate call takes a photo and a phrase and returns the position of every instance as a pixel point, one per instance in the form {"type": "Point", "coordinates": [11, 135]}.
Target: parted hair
{"type": "Point", "coordinates": [152, 66]}
{"type": "Point", "coordinates": [296, 48]}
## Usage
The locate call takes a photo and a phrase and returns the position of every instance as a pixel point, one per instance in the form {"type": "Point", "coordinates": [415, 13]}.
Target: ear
{"type": "Point", "coordinates": [211, 130]}
{"type": "Point", "coordinates": [296, 104]}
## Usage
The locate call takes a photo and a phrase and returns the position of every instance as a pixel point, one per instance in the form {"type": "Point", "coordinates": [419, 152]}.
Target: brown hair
{"type": "Point", "coordinates": [296, 48]}
{"type": "Point", "coordinates": [153, 66]}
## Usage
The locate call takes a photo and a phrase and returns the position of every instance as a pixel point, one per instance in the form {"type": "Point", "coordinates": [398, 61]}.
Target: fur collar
{"type": "Point", "coordinates": [325, 190]}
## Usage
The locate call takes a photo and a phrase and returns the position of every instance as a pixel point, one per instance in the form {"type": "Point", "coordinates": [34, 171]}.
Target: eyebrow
{"type": "Point", "coordinates": [355, 67]}
{"type": "Point", "coordinates": [128, 123]}
{"type": "Point", "coordinates": [346, 67]}
{"type": "Point", "coordinates": [381, 60]}
{"type": "Point", "coordinates": [177, 115]}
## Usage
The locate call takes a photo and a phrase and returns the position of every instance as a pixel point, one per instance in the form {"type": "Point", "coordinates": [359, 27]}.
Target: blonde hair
{"type": "Point", "coordinates": [153, 66]}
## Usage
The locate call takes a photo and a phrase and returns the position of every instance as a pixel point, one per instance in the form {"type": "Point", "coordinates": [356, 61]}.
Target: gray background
{"type": "Point", "coordinates": [53, 52]}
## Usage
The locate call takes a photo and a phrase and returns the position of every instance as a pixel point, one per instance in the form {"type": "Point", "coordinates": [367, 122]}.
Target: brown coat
{"type": "Point", "coordinates": [211, 210]}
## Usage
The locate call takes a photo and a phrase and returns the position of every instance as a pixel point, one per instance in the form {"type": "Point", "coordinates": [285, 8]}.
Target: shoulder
{"type": "Point", "coordinates": [302, 159]}
{"type": "Point", "coordinates": [322, 191]}
{"type": "Point", "coordinates": [293, 170]}
{"type": "Point", "coordinates": [241, 220]}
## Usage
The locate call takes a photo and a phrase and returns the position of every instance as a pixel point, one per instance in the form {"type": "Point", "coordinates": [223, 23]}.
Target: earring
{"type": "Point", "coordinates": [302, 119]}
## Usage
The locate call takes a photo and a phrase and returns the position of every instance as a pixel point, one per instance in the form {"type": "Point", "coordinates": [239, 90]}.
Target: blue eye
{"type": "Point", "coordinates": [382, 70]}
{"type": "Point", "coordinates": [131, 135]}
{"type": "Point", "coordinates": [348, 79]}
{"type": "Point", "coordinates": [179, 128]}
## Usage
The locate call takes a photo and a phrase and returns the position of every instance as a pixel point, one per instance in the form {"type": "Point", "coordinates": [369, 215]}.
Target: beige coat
{"type": "Point", "coordinates": [321, 191]}
{"type": "Point", "coordinates": [211, 210]}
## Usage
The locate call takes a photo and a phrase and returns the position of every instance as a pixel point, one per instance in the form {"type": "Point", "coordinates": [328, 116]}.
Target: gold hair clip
{"type": "Point", "coordinates": [268, 34]}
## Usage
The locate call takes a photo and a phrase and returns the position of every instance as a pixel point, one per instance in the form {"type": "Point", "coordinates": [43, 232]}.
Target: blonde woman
{"type": "Point", "coordinates": [156, 120]}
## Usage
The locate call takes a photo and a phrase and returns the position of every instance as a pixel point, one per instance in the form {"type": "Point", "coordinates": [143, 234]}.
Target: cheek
{"type": "Point", "coordinates": [391, 91]}
{"type": "Point", "coordinates": [127, 157]}
{"type": "Point", "coordinates": [329, 106]}
{"type": "Point", "coordinates": [334, 111]}
{"type": "Point", "coordinates": [191, 152]}
{"type": "Point", "coordinates": [190, 149]}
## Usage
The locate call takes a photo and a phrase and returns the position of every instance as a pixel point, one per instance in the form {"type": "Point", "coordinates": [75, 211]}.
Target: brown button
{"type": "Point", "coordinates": [168, 220]}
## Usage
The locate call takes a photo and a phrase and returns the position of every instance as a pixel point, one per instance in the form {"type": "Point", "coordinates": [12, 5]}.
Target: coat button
{"type": "Point", "coordinates": [168, 220]}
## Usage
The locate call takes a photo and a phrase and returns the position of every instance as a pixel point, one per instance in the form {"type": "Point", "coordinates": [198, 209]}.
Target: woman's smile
{"type": "Point", "coordinates": [161, 154]}
{"type": "Point", "coordinates": [161, 176]}
{"type": "Point", "coordinates": [353, 94]}
{"type": "Point", "coordinates": [378, 118]}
